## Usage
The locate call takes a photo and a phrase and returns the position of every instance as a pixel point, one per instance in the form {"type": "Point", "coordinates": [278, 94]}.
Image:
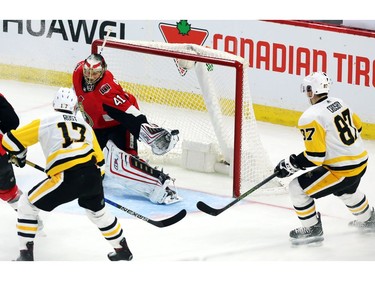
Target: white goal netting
{"type": "Point", "coordinates": [203, 93]}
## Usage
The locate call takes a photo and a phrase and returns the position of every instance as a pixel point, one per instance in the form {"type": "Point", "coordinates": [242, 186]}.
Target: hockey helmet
{"type": "Point", "coordinates": [94, 68]}
{"type": "Point", "coordinates": [65, 100]}
{"type": "Point", "coordinates": [317, 83]}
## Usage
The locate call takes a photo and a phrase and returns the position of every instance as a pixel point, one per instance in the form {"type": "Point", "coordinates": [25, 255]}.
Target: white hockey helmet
{"type": "Point", "coordinates": [94, 68]}
{"type": "Point", "coordinates": [65, 100]}
{"type": "Point", "coordinates": [317, 82]}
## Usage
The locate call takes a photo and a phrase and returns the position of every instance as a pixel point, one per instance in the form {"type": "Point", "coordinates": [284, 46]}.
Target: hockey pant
{"type": "Point", "coordinates": [321, 182]}
{"type": "Point", "coordinates": [135, 175]}
{"type": "Point", "coordinates": [82, 183]}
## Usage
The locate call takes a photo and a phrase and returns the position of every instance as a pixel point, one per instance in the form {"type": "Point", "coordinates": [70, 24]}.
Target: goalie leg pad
{"type": "Point", "coordinates": [142, 166]}
{"type": "Point", "coordinates": [164, 194]}
{"type": "Point", "coordinates": [122, 165]}
{"type": "Point", "coordinates": [137, 176]}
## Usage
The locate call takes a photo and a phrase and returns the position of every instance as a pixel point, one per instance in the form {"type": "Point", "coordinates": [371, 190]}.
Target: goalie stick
{"type": "Point", "coordinates": [214, 212]}
{"type": "Point", "coordinates": [105, 40]}
{"type": "Point", "coordinates": [162, 223]}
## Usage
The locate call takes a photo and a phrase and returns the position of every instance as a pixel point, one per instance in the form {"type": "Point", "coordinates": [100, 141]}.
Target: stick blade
{"type": "Point", "coordinates": [169, 221]}
{"type": "Point", "coordinates": [207, 209]}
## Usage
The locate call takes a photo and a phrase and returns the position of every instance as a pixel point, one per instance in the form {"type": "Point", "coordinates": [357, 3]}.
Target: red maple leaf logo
{"type": "Point", "coordinates": [182, 32]}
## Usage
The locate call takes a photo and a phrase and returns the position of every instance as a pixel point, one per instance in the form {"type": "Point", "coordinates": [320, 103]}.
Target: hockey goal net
{"type": "Point", "coordinates": [204, 93]}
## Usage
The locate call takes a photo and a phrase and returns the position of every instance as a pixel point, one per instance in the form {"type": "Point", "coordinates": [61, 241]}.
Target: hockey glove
{"type": "Point", "coordinates": [287, 167]}
{"type": "Point", "coordinates": [159, 139]}
{"type": "Point", "coordinates": [19, 159]}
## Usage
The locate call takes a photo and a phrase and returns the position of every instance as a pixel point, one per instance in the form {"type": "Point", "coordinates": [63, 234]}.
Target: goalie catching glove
{"type": "Point", "coordinates": [19, 159]}
{"type": "Point", "coordinates": [161, 140]}
{"type": "Point", "coordinates": [287, 167]}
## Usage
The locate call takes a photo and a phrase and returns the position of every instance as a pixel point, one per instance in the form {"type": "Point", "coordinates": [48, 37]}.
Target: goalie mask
{"type": "Point", "coordinates": [65, 100]}
{"type": "Point", "coordinates": [93, 70]}
{"type": "Point", "coordinates": [317, 83]}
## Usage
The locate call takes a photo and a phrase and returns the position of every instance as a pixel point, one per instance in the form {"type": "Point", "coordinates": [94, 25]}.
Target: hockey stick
{"type": "Point", "coordinates": [35, 166]}
{"type": "Point", "coordinates": [163, 223]}
{"type": "Point", "coordinates": [214, 212]}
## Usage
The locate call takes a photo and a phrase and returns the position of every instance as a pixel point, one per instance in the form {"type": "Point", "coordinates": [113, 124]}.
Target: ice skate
{"type": "Point", "coordinates": [27, 254]}
{"type": "Point", "coordinates": [121, 253]}
{"type": "Point", "coordinates": [307, 235]}
{"type": "Point", "coordinates": [365, 226]}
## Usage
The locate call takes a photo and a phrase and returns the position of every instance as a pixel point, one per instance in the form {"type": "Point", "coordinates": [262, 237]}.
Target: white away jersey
{"type": "Point", "coordinates": [331, 133]}
{"type": "Point", "coordinates": [66, 140]}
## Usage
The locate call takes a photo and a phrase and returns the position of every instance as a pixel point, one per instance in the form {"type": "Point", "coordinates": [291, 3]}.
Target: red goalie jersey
{"type": "Point", "coordinates": [112, 113]}
{"type": "Point", "coordinates": [106, 91]}
{"type": "Point", "coordinates": [118, 124]}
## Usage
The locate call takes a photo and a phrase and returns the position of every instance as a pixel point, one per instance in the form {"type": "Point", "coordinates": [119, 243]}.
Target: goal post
{"type": "Point", "coordinates": [204, 93]}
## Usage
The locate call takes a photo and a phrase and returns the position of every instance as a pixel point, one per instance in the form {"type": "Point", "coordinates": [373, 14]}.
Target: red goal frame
{"type": "Point", "coordinates": [98, 43]}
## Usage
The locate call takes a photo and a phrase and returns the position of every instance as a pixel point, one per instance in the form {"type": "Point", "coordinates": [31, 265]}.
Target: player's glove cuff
{"type": "Point", "coordinates": [19, 159]}
{"type": "Point", "coordinates": [287, 167]}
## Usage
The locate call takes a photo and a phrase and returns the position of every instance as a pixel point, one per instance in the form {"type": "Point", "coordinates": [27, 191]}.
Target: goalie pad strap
{"type": "Point", "coordinates": [125, 171]}
{"type": "Point", "coordinates": [144, 167]}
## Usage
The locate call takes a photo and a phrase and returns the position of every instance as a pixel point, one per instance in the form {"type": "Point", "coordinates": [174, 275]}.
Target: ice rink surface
{"type": "Point", "coordinates": [247, 242]}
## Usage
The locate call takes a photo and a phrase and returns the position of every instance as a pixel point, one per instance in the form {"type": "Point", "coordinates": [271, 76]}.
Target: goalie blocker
{"type": "Point", "coordinates": [137, 176]}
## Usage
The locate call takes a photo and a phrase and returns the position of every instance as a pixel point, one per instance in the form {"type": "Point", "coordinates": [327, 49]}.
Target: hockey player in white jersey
{"type": "Point", "coordinates": [73, 157]}
{"type": "Point", "coordinates": [334, 148]}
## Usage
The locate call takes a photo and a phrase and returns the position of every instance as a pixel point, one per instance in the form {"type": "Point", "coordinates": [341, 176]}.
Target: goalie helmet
{"type": "Point", "coordinates": [65, 100]}
{"type": "Point", "coordinates": [94, 68]}
{"type": "Point", "coordinates": [317, 82]}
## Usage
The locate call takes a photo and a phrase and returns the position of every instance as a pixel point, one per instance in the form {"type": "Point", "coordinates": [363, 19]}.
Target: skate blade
{"type": "Point", "coordinates": [311, 241]}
